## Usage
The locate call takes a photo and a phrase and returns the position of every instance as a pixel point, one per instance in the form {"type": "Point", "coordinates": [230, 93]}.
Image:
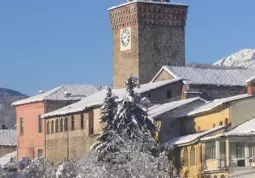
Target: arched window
{"type": "Point", "coordinates": [48, 127]}
{"type": "Point", "coordinates": [226, 121]}
{"type": "Point", "coordinates": [222, 176]}
{"type": "Point", "coordinates": [221, 123]}
{"type": "Point", "coordinates": [185, 157]}
{"type": "Point", "coordinates": [61, 125]}
{"type": "Point", "coordinates": [192, 156]}
{"type": "Point", "coordinates": [214, 125]}
{"type": "Point", "coordinates": [215, 176]}
{"type": "Point", "coordinates": [199, 129]}
{"type": "Point", "coordinates": [66, 124]}
{"type": "Point", "coordinates": [56, 126]}
{"type": "Point", "coordinates": [52, 126]}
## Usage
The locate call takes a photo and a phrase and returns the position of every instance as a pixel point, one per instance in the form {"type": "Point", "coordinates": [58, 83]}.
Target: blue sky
{"type": "Point", "coordinates": [47, 43]}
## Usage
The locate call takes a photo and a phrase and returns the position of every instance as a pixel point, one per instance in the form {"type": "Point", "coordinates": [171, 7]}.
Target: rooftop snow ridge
{"type": "Point", "coordinates": [149, 2]}
{"type": "Point", "coordinates": [98, 98]}
{"type": "Point", "coordinates": [64, 92]}
{"type": "Point", "coordinates": [208, 76]}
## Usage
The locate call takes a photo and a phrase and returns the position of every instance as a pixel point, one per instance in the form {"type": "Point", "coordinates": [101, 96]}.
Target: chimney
{"type": "Point", "coordinates": [251, 86]}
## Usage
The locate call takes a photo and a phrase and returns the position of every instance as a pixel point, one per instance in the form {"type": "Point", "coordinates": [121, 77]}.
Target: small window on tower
{"type": "Point", "coordinates": [168, 94]}
{"type": "Point", "coordinates": [72, 124]}
{"type": "Point", "coordinates": [221, 123]}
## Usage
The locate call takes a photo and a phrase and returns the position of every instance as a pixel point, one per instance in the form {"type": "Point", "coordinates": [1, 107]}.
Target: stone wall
{"type": "Point", "coordinates": [71, 144]}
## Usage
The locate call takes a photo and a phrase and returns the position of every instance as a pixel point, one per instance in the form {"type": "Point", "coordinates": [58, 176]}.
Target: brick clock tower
{"type": "Point", "coordinates": [146, 36]}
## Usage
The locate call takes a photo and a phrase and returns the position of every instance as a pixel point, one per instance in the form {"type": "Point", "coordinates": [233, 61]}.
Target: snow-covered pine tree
{"type": "Point", "coordinates": [131, 118]}
{"type": "Point", "coordinates": [107, 137]}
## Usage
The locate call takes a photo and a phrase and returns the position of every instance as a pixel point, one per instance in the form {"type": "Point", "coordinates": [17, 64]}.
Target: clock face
{"type": "Point", "coordinates": [125, 39]}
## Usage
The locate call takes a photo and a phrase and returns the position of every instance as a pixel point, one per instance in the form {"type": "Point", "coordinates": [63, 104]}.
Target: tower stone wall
{"type": "Point", "coordinates": [157, 37]}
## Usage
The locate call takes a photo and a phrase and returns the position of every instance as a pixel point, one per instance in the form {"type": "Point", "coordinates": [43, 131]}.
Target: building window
{"type": "Point", "coordinates": [168, 94]}
{"type": "Point", "coordinates": [215, 176]}
{"type": "Point", "coordinates": [91, 122]}
{"type": "Point", "coordinates": [21, 126]}
{"type": "Point", "coordinates": [66, 124]}
{"type": "Point", "coordinates": [82, 121]}
{"type": "Point", "coordinates": [222, 176]}
{"type": "Point", "coordinates": [149, 94]}
{"type": "Point", "coordinates": [226, 121]}
{"type": "Point", "coordinates": [240, 150]}
{"type": "Point", "coordinates": [52, 126]}
{"type": "Point", "coordinates": [48, 127]}
{"type": "Point", "coordinates": [199, 129]}
{"type": "Point", "coordinates": [40, 152]}
{"type": "Point", "coordinates": [252, 150]}
{"type": "Point", "coordinates": [192, 156]}
{"type": "Point", "coordinates": [185, 157]}
{"type": "Point", "coordinates": [210, 150]}
{"type": "Point", "coordinates": [221, 123]}
{"type": "Point", "coordinates": [72, 124]}
{"type": "Point", "coordinates": [61, 125]}
{"type": "Point", "coordinates": [214, 125]}
{"type": "Point", "coordinates": [56, 126]}
{"type": "Point", "coordinates": [39, 124]}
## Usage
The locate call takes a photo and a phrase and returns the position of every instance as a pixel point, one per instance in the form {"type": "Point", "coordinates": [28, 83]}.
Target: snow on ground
{"type": "Point", "coordinates": [98, 98]}
{"type": "Point", "coordinates": [244, 58]}
{"type": "Point", "coordinates": [64, 92]}
{"type": "Point", "coordinates": [7, 158]}
{"type": "Point", "coordinates": [211, 76]}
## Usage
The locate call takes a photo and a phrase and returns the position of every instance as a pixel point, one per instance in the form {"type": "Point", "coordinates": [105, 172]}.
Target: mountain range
{"type": "Point", "coordinates": [244, 59]}
{"type": "Point", "coordinates": [7, 112]}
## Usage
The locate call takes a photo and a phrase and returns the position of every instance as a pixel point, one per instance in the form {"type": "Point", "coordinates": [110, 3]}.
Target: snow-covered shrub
{"type": "Point", "coordinates": [24, 162]}
{"type": "Point", "coordinates": [38, 168]}
{"type": "Point", "coordinates": [66, 170]}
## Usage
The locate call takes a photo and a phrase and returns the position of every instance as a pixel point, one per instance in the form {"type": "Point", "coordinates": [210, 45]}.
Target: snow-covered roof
{"type": "Point", "coordinates": [182, 140]}
{"type": "Point", "coordinates": [216, 103]}
{"type": "Point", "coordinates": [97, 98]}
{"type": "Point", "coordinates": [7, 158]}
{"type": "Point", "coordinates": [159, 109]}
{"type": "Point", "coordinates": [148, 2]}
{"type": "Point", "coordinates": [64, 93]}
{"type": "Point", "coordinates": [207, 76]}
{"type": "Point", "coordinates": [8, 137]}
{"type": "Point", "coordinates": [250, 79]}
{"type": "Point", "coordinates": [245, 129]}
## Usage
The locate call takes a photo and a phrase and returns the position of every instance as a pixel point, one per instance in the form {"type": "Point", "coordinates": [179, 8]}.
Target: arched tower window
{"type": "Point", "coordinates": [192, 156]}
{"type": "Point", "coordinates": [66, 124]}
{"type": "Point", "coordinates": [226, 121]}
{"type": "Point", "coordinates": [52, 126]}
{"type": "Point", "coordinates": [185, 157]}
{"type": "Point", "coordinates": [48, 127]}
{"type": "Point", "coordinates": [56, 126]}
{"type": "Point", "coordinates": [221, 123]}
{"type": "Point", "coordinates": [61, 125]}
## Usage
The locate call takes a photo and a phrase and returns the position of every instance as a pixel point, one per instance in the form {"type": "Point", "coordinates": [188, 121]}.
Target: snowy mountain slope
{"type": "Point", "coordinates": [244, 58]}
{"type": "Point", "coordinates": [7, 112]}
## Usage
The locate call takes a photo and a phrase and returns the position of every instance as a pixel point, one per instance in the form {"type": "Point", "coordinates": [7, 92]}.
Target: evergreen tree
{"type": "Point", "coordinates": [105, 139]}
{"type": "Point", "coordinates": [131, 118]}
